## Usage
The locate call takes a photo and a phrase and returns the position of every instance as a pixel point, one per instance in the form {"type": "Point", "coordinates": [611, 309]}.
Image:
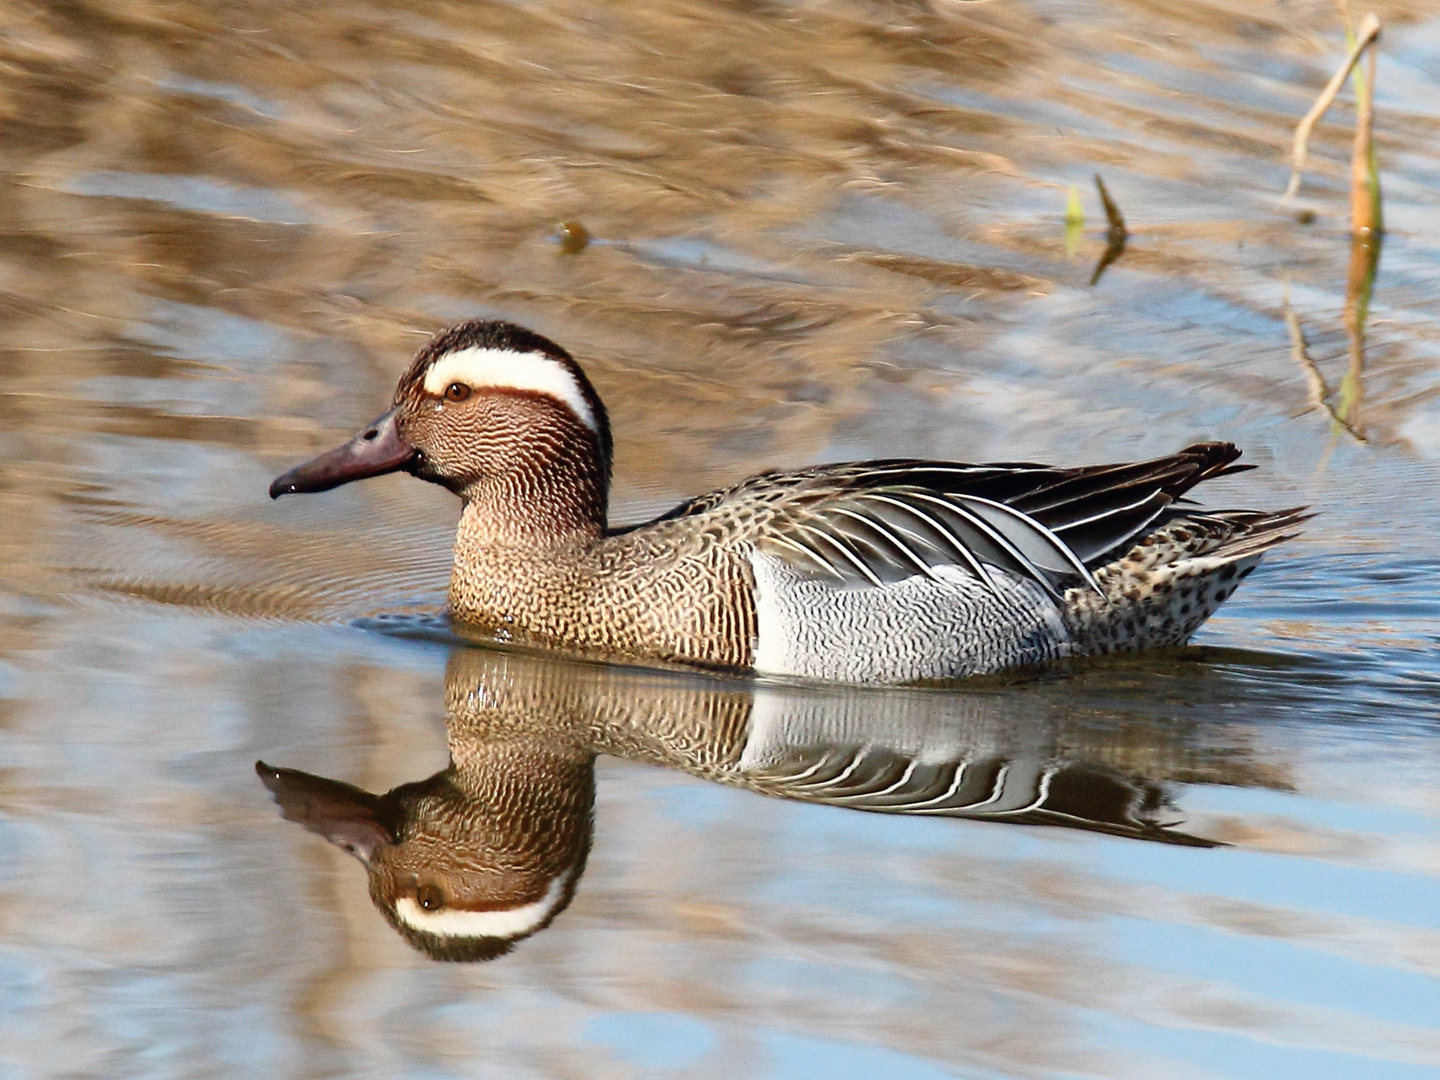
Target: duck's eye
{"type": "Point", "coordinates": [457, 391]}
{"type": "Point", "coordinates": [430, 897]}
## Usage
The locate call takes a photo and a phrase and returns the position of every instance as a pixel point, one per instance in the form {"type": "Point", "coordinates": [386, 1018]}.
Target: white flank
{"type": "Point", "coordinates": [504, 923]}
{"type": "Point", "coordinates": [514, 370]}
{"type": "Point", "coordinates": [773, 622]}
{"type": "Point", "coordinates": [934, 626]}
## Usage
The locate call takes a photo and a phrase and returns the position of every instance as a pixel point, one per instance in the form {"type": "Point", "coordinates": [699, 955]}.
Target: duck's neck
{"type": "Point", "coordinates": [541, 504]}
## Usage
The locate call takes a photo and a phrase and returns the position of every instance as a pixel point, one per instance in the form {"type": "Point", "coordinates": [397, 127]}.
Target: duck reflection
{"type": "Point", "coordinates": [489, 851]}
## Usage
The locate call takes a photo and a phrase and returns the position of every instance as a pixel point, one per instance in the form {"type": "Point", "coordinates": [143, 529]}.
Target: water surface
{"type": "Point", "coordinates": [822, 232]}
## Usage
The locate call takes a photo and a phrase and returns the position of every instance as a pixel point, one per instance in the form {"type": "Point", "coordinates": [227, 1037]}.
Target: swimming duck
{"type": "Point", "coordinates": [879, 571]}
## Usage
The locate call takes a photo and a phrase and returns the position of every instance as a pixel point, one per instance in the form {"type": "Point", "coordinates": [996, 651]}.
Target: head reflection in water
{"type": "Point", "coordinates": [473, 859]}
{"type": "Point", "coordinates": [491, 849]}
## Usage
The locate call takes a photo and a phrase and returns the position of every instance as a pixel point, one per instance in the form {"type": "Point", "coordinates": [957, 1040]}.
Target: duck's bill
{"type": "Point", "coordinates": [376, 450]}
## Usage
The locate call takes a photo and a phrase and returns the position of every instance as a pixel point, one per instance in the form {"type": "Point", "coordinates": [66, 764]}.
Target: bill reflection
{"type": "Point", "coordinates": [490, 850]}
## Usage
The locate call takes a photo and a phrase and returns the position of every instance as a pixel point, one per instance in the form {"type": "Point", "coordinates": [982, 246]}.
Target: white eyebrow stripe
{"type": "Point", "coordinates": [506, 923]}
{"type": "Point", "coordinates": [476, 367]}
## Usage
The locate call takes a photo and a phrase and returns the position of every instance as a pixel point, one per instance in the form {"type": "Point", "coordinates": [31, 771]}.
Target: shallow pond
{"type": "Point", "coordinates": [820, 232]}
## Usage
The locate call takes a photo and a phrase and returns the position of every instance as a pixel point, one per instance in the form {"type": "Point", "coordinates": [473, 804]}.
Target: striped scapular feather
{"type": "Point", "coordinates": [878, 522]}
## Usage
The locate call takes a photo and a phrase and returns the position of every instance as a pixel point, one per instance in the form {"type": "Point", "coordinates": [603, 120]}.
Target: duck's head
{"type": "Point", "coordinates": [485, 405]}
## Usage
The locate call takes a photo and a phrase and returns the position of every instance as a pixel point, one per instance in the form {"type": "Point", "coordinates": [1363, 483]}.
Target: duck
{"type": "Point", "coordinates": [886, 571]}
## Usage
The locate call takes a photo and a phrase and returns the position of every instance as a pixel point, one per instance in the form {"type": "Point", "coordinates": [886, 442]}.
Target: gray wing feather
{"type": "Point", "coordinates": [896, 543]}
{"type": "Point", "coordinates": [1039, 543]}
{"type": "Point", "coordinates": [999, 535]}
{"type": "Point", "coordinates": [875, 536]}
{"type": "Point", "coordinates": [786, 545]}
{"type": "Point", "coordinates": [822, 539]}
{"type": "Point", "coordinates": [1089, 542]}
{"type": "Point", "coordinates": [951, 551]}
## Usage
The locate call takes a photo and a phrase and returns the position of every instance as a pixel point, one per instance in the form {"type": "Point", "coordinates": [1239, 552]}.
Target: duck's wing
{"type": "Point", "coordinates": [872, 523]}
{"type": "Point", "coordinates": [882, 533]}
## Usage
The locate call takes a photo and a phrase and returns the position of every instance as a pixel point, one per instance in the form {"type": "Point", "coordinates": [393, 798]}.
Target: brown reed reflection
{"type": "Point", "coordinates": [1116, 234]}
{"type": "Point", "coordinates": [1345, 408]}
{"type": "Point", "coordinates": [1359, 287]}
{"type": "Point", "coordinates": [490, 850]}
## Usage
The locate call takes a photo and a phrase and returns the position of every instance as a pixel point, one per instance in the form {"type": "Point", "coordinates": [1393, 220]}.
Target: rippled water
{"type": "Point", "coordinates": [821, 231]}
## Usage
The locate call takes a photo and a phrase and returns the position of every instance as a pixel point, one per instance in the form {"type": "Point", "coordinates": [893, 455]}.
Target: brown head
{"type": "Point", "coordinates": [498, 414]}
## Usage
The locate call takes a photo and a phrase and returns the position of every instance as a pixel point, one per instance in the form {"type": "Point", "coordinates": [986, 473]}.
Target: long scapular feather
{"type": "Point", "coordinates": [856, 757]}
{"type": "Point", "coordinates": [898, 543]}
{"type": "Point", "coordinates": [957, 545]}
{"type": "Point", "coordinates": [1054, 543]}
{"type": "Point", "coordinates": [872, 543]}
{"type": "Point", "coordinates": [1042, 793]}
{"type": "Point", "coordinates": [940, 801]}
{"type": "Point", "coordinates": [801, 549]}
{"type": "Point", "coordinates": [1141, 514]}
{"type": "Point", "coordinates": [853, 559]}
{"type": "Point", "coordinates": [996, 537]}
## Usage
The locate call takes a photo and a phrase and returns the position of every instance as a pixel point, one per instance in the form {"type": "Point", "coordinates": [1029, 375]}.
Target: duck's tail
{"type": "Point", "coordinates": [1159, 592]}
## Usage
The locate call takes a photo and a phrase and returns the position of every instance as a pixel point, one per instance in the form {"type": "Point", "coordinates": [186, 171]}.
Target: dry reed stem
{"type": "Point", "coordinates": [1364, 183]}
{"type": "Point", "coordinates": [1366, 34]}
